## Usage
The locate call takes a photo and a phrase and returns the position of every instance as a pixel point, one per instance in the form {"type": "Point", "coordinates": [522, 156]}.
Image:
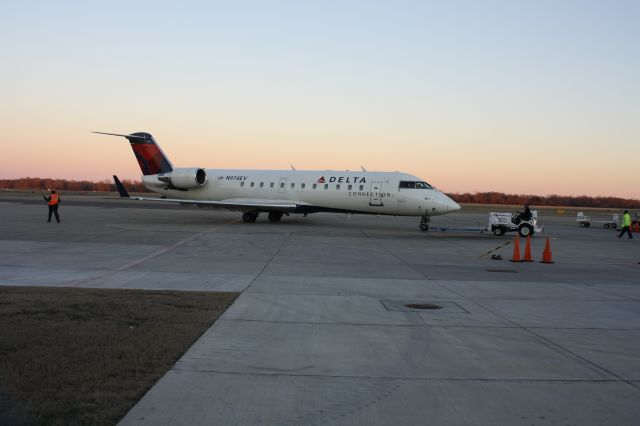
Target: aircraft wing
{"type": "Point", "coordinates": [231, 203]}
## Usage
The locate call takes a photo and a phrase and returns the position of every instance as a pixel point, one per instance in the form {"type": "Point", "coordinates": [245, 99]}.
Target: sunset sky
{"type": "Point", "coordinates": [515, 96]}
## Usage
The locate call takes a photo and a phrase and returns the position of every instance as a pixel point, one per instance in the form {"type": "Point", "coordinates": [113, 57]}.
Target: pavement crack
{"type": "Point", "coordinates": [268, 262]}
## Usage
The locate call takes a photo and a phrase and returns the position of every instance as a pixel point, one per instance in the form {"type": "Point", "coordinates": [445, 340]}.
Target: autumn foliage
{"type": "Point", "coordinates": [548, 200]}
{"type": "Point", "coordinates": [29, 183]}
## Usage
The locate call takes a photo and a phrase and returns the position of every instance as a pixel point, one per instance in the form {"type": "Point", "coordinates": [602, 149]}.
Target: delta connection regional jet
{"type": "Point", "coordinates": [278, 192]}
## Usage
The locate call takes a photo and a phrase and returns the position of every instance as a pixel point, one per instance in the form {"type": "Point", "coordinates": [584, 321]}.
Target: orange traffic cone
{"type": "Point", "coordinates": [516, 250]}
{"type": "Point", "coordinates": [546, 254]}
{"type": "Point", "coordinates": [527, 250]}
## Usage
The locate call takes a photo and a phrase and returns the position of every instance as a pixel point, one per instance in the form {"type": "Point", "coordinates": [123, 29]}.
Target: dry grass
{"type": "Point", "coordinates": [72, 356]}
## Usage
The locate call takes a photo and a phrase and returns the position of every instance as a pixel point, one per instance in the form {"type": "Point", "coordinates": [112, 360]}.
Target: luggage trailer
{"type": "Point", "coordinates": [586, 221]}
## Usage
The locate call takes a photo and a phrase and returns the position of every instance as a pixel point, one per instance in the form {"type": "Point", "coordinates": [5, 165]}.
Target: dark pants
{"type": "Point", "coordinates": [625, 229]}
{"type": "Point", "coordinates": [54, 209]}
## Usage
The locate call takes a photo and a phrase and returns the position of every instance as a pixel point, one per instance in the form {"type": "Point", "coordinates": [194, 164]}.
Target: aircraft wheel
{"type": "Point", "coordinates": [275, 216]}
{"type": "Point", "coordinates": [424, 227]}
{"type": "Point", "coordinates": [249, 217]}
{"type": "Point", "coordinates": [525, 230]}
{"type": "Point", "coordinates": [606, 226]}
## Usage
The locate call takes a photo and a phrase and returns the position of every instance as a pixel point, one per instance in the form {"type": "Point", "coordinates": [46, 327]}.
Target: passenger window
{"type": "Point", "coordinates": [315, 186]}
{"type": "Point", "coordinates": [293, 185]}
{"type": "Point", "coordinates": [302, 186]}
{"type": "Point", "coordinates": [252, 184]}
{"type": "Point", "coordinates": [241, 183]}
{"type": "Point", "coordinates": [338, 187]}
{"type": "Point", "coordinates": [271, 185]}
{"type": "Point", "coordinates": [326, 186]}
{"type": "Point", "coordinates": [261, 184]}
{"type": "Point", "coordinates": [281, 184]}
{"type": "Point", "coordinates": [361, 187]}
{"type": "Point", "coordinates": [350, 187]}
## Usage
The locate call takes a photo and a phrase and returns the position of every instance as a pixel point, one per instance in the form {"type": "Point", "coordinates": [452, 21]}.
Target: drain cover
{"type": "Point", "coordinates": [440, 306]}
{"type": "Point", "coordinates": [422, 306]}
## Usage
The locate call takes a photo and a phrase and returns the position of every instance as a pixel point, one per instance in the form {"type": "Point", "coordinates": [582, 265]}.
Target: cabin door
{"type": "Point", "coordinates": [375, 198]}
{"type": "Point", "coordinates": [282, 185]}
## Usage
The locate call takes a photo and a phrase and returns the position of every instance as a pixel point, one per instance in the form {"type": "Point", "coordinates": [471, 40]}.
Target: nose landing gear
{"type": "Point", "coordinates": [424, 223]}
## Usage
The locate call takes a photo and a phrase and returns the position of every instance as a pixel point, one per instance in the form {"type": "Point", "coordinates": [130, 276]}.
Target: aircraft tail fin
{"type": "Point", "coordinates": [121, 189]}
{"type": "Point", "coordinates": [150, 157]}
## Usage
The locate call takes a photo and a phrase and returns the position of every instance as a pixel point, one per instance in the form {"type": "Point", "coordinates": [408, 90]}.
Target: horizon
{"type": "Point", "coordinates": [139, 181]}
{"type": "Point", "coordinates": [471, 97]}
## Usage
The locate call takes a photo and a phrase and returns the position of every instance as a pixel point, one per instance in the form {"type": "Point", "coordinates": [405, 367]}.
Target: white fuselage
{"type": "Point", "coordinates": [339, 191]}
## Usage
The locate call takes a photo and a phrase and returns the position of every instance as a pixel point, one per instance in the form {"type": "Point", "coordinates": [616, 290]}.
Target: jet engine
{"type": "Point", "coordinates": [184, 178]}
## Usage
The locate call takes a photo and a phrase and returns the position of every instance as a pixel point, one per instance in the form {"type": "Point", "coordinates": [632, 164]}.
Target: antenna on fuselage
{"type": "Point", "coordinates": [363, 169]}
{"type": "Point", "coordinates": [292, 168]}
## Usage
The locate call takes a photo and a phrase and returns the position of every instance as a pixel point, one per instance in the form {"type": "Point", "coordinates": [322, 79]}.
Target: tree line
{"type": "Point", "coordinates": [41, 184]}
{"type": "Point", "coordinates": [30, 184]}
{"type": "Point", "coordinates": [548, 200]}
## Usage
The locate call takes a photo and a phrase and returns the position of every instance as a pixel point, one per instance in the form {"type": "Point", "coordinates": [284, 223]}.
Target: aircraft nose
{"type": "Point", "coordinates": [451, 205]}
{"type": "Point", "coordinates": [447, 205]}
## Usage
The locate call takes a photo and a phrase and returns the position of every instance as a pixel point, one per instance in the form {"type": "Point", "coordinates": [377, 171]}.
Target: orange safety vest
{"type": "Point", "coordinates": [54, 200]}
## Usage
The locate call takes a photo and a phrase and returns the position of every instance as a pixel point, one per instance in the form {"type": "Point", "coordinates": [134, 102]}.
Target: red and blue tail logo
{"type": "Point", "coordinates": [149, 155]}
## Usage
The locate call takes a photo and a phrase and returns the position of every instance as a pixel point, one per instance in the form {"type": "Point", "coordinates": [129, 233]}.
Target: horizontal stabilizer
{"type": "Point", "coordinates": [124, 136]}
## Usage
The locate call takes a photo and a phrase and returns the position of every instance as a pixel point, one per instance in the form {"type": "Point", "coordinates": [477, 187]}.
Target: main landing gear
{"type": "Point", "coordinates": [424, 223]}
{"type": "Point", "coordinates": [249, 217]}
{"type": "Point", "coordinates": [275, 216]}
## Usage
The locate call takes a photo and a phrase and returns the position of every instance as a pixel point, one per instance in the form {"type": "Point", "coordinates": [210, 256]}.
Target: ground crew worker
{"type": "Point", "coordinates": [53, 201]}
{"type": "Point", "coordinates": [526, 215]}
{"type": "Point", "coordinates": [626, 224]}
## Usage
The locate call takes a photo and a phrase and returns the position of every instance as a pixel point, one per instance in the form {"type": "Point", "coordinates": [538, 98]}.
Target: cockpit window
{"type": "Point", "coordinates": [414, 185]}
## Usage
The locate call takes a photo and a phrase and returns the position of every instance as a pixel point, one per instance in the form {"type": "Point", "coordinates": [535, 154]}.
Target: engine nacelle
{"type": "Point", "coordinates": [184, 178]}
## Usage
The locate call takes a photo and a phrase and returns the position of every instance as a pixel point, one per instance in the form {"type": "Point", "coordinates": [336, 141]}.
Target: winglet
{"type": "Point", "coordinates": [123, 192]}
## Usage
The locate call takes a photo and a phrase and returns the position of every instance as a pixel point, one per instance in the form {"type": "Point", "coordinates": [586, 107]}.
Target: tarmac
{"type": "Point", "coordinates": [321, 334]}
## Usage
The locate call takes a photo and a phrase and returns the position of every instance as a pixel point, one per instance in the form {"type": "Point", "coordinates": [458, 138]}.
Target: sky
{"type": "Point", "coordinates": [513, 96]}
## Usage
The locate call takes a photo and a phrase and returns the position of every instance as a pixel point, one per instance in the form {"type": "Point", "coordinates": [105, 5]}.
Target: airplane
{"type": "Point", "coordinates": [284, 192]}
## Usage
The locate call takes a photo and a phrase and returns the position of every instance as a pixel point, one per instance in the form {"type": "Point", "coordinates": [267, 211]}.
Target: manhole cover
{"type": "Point", "coordinates": [422, 306]}
{"type": "Point", "coordinates": [439, 306]}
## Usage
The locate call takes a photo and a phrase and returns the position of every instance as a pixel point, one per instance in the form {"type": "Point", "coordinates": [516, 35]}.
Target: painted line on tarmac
{"type": "Point", "coordinates": [150, 256]}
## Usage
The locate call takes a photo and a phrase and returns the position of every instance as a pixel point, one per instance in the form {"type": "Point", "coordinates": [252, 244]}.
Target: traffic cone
{"type": "Point", "coordinates": [527, 250]}
{"type": "Point", "coordinates": [546, 254]}
{"type": "Point", "coordinates": [516, 250]}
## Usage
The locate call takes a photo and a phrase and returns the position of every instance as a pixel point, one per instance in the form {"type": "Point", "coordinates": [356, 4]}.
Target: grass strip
{"type": "Point", "coordinates": [76, 356]}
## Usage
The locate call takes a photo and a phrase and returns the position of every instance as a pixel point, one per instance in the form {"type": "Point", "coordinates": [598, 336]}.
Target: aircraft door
{"type": "Point", "coordinates": [375, 198]}
{"type": "Point", "coordinates": [282, 185]}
